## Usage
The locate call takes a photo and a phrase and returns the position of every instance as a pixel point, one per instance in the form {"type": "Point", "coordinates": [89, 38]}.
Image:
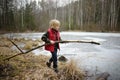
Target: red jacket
{"type": "Point", "coordinates": [55, 36]}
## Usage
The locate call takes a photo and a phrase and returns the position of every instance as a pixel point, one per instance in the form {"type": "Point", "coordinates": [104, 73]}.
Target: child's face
{"type": "Point", "coordinates": [57, 27]}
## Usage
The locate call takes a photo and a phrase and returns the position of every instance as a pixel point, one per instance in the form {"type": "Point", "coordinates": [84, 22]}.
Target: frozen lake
{"type": "Point", "coordinates": [95, 58]}
{"type": "Point", "coordinates": [90, 57]}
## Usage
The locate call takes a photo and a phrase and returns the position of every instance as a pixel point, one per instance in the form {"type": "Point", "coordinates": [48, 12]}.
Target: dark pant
{"type": "Point", "coordinates": [54, 58]}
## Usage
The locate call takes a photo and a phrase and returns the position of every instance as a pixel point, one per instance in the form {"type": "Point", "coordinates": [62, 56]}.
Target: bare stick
{"type": "Point", "coordinates": [49, 44]}
{"type": "Point", "coordinates": [79, 41]}
{"type": "Point", "coordinates": [16, 46]}
{"type": "Point", "coordinates": [25, 52]}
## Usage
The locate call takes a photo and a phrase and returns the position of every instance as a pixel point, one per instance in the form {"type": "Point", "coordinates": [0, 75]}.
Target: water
{"type": "Point", "coordinates": [96, 58]}
{"type": "Point", "coordinates": [91, 57]}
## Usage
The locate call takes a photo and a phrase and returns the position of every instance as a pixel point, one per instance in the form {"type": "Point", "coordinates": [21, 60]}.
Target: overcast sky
{"type": "Point", "coordinates": [61, 2]}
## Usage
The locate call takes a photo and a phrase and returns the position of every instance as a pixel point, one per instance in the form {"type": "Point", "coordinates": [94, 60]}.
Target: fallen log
{"type": "Point", "coordinates": [72, 41]}
{"type": "Point", "coordinates": [103, 76]}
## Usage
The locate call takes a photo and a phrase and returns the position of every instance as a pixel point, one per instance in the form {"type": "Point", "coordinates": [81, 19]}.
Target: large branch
{"type": "Point", "coordinates": [72, 41]}
{"type": "Point", "coordinates": [79, 41]}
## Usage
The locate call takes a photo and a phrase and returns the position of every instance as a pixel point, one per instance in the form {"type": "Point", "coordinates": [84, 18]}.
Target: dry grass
{"type": "Point", "coordinates": [31, 44]}
{"type": "Point", "coordinates": [31, 67]}
{"type": "Point", "coordinates": [70, 71]}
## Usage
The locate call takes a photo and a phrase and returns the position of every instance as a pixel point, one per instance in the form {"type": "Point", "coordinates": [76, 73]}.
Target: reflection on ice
{"type": "Point", "coordinates": [95, 39]}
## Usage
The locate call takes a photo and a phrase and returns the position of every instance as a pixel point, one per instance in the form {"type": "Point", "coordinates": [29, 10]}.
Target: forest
{"type": "Point", "coordinates": [23, 23]}
{"type": "Point", "coordinates": [82, 15]}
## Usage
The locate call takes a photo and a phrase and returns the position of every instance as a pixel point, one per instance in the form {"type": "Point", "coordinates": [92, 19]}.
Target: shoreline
{"type": "Point", "coordinates": [38, 62]}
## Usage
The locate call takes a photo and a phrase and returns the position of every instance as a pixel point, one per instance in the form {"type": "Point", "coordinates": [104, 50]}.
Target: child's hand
{"type": "Point", "coordinates": [52, 42]}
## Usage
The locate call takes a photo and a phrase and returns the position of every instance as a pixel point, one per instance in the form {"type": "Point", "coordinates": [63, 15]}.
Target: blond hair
{"type": "Point", "coordinates": [54, 23]}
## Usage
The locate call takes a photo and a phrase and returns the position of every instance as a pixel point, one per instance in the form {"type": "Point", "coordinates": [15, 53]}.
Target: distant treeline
{"type": "Point", "coordinates": [83, 15]}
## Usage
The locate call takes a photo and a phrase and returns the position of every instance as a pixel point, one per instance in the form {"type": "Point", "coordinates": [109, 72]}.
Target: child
{"type": "Point", "coordinates": [51, 36]}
